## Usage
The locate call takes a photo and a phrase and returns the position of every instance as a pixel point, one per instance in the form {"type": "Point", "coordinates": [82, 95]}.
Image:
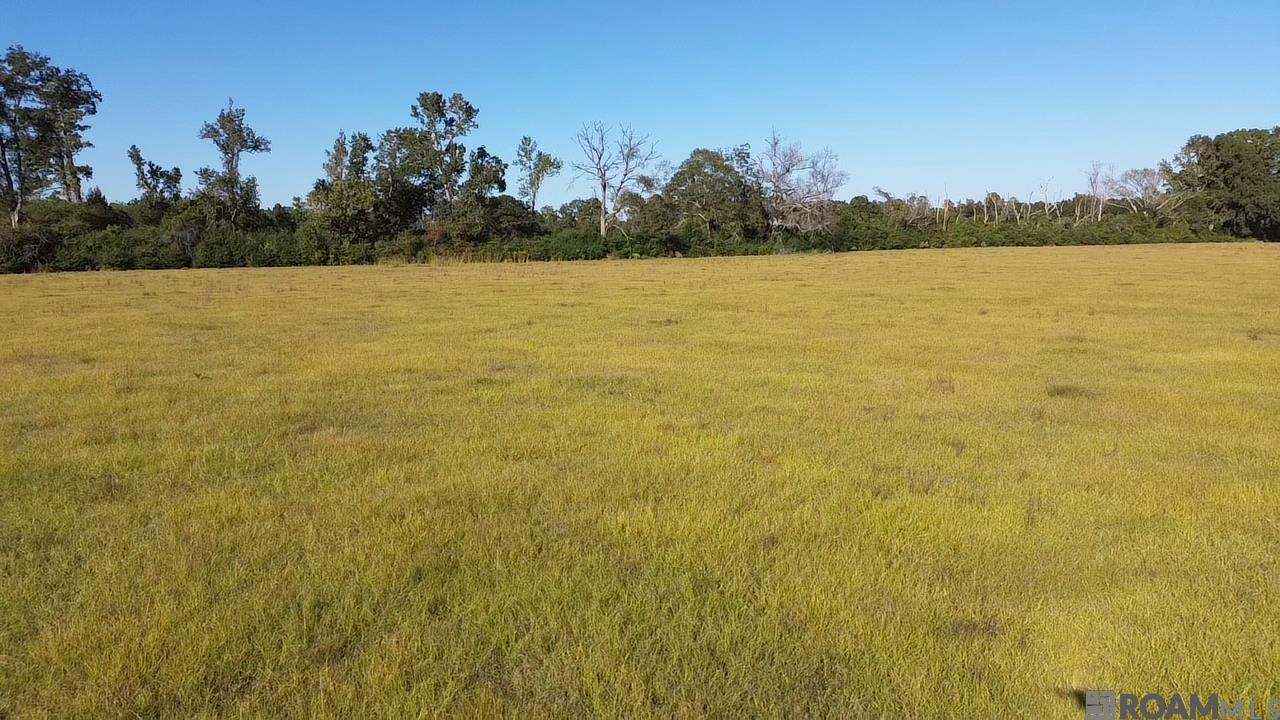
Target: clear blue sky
{"type": "Point", "coordinates": [914, 96]}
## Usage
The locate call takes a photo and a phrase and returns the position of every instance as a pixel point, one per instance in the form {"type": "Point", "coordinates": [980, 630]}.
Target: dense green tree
{"type": "Point", "coordinates": [486, 176]}
{"type": "Point", "coordinates": [1237, 174]}
{"type": "Point", "coordinates": [652, 225]}
{"type": "Point", "coordinates": [421, 171]}
{"type": "Point", "coordinates": [404, 185]}
{"type": "Point", "coordinates": [343, 201]}
{"type": "Point", "coordinates": [510, 219]}
{"type": "Point", "coordinates": [580, 213]}
{"type": "Point", "coordinates": [425, 178]}
{"type": "Point", "coordinates": [709, 191]}
{"type": "Point", "coordinates": [468, 219]}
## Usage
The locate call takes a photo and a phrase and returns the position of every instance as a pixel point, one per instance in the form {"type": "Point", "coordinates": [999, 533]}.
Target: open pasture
{"type": "Point", "coordinates": [936, 483]}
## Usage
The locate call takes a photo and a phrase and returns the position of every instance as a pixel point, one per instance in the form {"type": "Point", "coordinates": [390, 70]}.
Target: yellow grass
{"type": "Point", "coordinates": [919, 484]}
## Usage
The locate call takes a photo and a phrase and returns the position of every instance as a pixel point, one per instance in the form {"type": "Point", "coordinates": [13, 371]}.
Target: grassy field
{"type": "Point", "coordinates": [919, 484]}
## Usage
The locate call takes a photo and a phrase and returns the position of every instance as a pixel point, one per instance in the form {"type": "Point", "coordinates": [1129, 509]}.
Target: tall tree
{"type": "Point", "coordinates": [614, 164]}
{"type": "Point", "coordinates": [535, 167]}
{"type": "Point", "coordinates": [421, 170]}
{"type": "Point", "coordinates": [1237, 174]}
{"type": "Point", "coordinates": [24, 129]}
{"type": "Point", "coordinates": [68, 98]}
{"type": "Point", "coordinates": [444, 121]}
{"type": "Point", "coordinates": [1097, 178]}
{"type": "Point", "coordinates": [403, 184]}
{"type": "Point", "coordinates": [233, 195]}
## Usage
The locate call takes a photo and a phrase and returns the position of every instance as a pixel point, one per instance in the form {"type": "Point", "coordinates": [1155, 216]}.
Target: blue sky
{"type": "Point", "coordinates": [929, 97]}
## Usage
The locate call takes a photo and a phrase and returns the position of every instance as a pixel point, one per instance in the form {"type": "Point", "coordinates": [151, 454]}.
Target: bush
{"type": "Point", "coordinates": [270, 248]}
{"type": "Point", "coordinates": [118, 248]}
{"type": "Point", "coordinates": [70, 219]}
{"type": "Point", "coordinates": [77, 253]}
{"type": "Point", "coordinates": [568, 244]}
{"type": "Point", "coordinates": [408, 246]}
{"type": "Point", "coordinates": [853, 232]}
{"type": "Point", "coordinates": [220, 246]}
{"type": "Point", "coordinates": [27, 248]}
{"type": "Point", "coordinates": [68, 238]}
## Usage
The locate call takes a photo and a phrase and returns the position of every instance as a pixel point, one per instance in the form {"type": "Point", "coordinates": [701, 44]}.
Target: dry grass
{"type": "Point", "coordinates": [921, 484]}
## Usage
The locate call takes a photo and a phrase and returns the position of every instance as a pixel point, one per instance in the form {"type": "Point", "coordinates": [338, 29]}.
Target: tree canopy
{"type": "Point", "coordinates": [418, 190]}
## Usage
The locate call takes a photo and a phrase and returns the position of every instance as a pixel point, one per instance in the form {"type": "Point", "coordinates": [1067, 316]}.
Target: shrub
{"type": "Point", "coordinates": [568, 244]}
{"type": "Point", "coordinates": [77, 253]}
{"type": "Point", "coordinates": [26, 248]}
{"type": "Point", "coordinates": [220, 246]}
{"type": "Point", "coordinates": [408, 246]}
{"type": "Point", "coordinates": [118, 248]}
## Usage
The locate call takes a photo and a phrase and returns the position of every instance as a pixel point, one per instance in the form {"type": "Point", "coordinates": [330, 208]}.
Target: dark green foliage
{"type": "Point", "coordinates": [147, 248]}
{"type": "Point", "coordinates": [118, 248]}
{"type": "Point", "coordinates": [27, 247]}
{"type": "Point", "coordinates": [70, 219]}
{"type": "Point", "coordinates": [409, 246]}
{"type": "Point", "coordinates": [226, 246]}
{"type": "Point", "coordinates": [509, 219]}
{"type": "Point", "coordinates": [570, 243]}
{"type": "Point", "coordinates": [1235, 178]}
{"type": "Point", "coordinates": [221, 246]}
{"type": "Point", "coordinates": [68, 98]}
{"type": "Point", "coordinates": [708, 191]}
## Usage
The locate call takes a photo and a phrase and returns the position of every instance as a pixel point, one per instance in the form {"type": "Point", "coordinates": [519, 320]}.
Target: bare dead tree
{"type": "Point", "coordinates": [614, 164]}
{"type": "Point", "coordinates": [998, 205]}
{"type": "Point", "coordinates": [1097, 177]}
{"type": "Point", "coordinates": [1125, 191]}
{"type": "Point", "coordinates": [1143, 191]}
{"type": "Point", "coordinates": [1050, 207]}
{"type": "Point", "coordinates": [910, 211]}
{"type": "Point", "coordinates": [798, 188]}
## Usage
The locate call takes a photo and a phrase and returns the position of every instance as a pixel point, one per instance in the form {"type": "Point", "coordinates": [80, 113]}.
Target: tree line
{"type": "Point", "coordinates": [418, 191]}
